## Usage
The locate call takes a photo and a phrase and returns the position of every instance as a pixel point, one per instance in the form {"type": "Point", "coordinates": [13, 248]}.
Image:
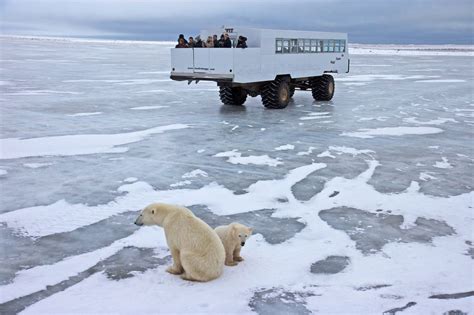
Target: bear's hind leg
{"type": "Point", "coordinates": [176, 268]}
{"type": "Point", "coordinates": [197, 268]}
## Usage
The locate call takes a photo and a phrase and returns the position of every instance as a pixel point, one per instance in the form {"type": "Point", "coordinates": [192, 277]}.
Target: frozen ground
{"type": "Point", "coordinates": [360, 205]}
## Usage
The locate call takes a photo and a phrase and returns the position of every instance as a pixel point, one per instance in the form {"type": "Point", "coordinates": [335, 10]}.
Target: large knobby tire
{"type": "Point", "coordinates": [323, 87]}
{"type": "Point", "coordinates": [232, 95]}
{"type": "Point", "coordinates": [276, 94]}
{"type": "Point", "coordinates": [292, 91]}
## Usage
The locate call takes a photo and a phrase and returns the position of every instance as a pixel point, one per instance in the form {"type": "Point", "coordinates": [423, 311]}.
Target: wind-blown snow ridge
{"type": "Point", "coordinates": [13, 148]}
{"type": "Point", "coordinates": [392, 131]}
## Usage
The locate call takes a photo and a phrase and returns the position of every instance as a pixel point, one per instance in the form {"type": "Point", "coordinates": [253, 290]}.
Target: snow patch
{"type": "Point", "coordinates": [181, 183]}
{"type": "Point", "coordinates": [130, 179]}
{"type": "Point", "coordinates": [310, 150]}
{"type": "Point", "coordinates": [285, 147]}
{"type": "Point", "coordinates": [195, 173]}
{"type": "Point", "coordinates": [235, 157]}
{"type": "Point", "coordinates": [443, 164]}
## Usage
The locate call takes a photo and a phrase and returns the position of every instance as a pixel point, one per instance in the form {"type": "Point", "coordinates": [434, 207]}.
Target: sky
{"type": "Point", "coordinates": [366, 21]}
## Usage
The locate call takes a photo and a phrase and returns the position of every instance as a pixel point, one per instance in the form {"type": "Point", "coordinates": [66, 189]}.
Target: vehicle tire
{"type": "Point", "coordinates": [276, 94]}
{"type": "Point", "coordinates": [292, 91]}
{"type": "Point", "coordinates": [232, 95]}
{"type": "Point", "coordinates": [322, 87]}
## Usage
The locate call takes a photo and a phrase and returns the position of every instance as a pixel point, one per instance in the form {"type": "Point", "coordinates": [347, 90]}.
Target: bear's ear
{"type": "Point", "coordinates": [233, 230]}
{"type": "Point", "coordinates": [250, 230]}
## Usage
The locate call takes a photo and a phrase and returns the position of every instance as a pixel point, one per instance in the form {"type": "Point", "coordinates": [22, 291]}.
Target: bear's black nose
{"type": "Point", "coordinates": [243, 243]}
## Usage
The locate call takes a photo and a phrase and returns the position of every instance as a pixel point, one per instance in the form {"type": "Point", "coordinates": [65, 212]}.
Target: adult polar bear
{"type": "Point", "coordinates": [198, 253]}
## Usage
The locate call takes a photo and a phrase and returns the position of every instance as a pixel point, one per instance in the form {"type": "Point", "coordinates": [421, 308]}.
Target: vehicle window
{"type": "Point", "coordinates": [307, 45]}
{"type": "Point", "coordinates": [331, 45]}
{"type": "Point", "coordinates": [294, 46]}
{"type": "Point", "coordinates": [286, 46]}
{"type": "Point", "coordinates": [279, 46]}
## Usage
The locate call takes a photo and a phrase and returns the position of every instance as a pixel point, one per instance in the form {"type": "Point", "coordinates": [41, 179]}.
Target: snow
{"type": "Point", "coordinates": [130, 179]}
{"type": "Point", "coordinates": [235, 157]}
{"type": "Point", "coordinates": [14, 148]}
{"type": "Point", "coordinates": [195, 173]}
{"type": "Point", "coordinates": [285, 147]}
{"type": "Point", "coordinates": [392, 131]}
{"type": "Point", "coordinates": [381, 176]}
{"type": "Point", "coordinates": [443, 164]}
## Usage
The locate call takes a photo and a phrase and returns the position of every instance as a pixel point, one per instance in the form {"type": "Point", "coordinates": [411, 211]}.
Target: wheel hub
{"type": "Point", "coordinates": [331, 87]}
{"type": "Point", "coordinates": [283, 94]}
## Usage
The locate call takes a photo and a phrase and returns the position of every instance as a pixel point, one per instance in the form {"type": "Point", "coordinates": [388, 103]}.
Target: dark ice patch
{"type": "Point", "coordinates": [305, 189]}
{"type": "Point", "coordinates": [451, 296]}
{"type": "Point", "coordinates": [273, 230]}
{"type": "Point", "coordinates": [455, 312]}
{"type": "Point", "coordinates": [330, 265]}
{"type": "Point", "coordinates": [394, 311]}
{"type": "Point", "coordinates": [132, 259]}
{"type": "Point", "coordinates": [334, 194]}
{"type": "Point", "coordinates": [372, 231]}
{"type": "Point", "coordinates": [373, 287]}
{"type": "Point", "coordinates": [470, 250]}
{"type": "Point", "coordinates": [277, 301]}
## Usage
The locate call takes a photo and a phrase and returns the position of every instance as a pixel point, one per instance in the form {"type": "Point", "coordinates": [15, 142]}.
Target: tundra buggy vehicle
{"type": "Point", "coordinates": [274, 64]}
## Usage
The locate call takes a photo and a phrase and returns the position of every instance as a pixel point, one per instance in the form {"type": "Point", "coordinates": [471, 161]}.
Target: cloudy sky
{"type": "Point", "coordinates": [366, 21]}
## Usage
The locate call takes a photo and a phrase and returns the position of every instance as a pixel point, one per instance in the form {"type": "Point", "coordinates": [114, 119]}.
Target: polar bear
{"type": "Point", "coordinates": [233, 236]}
{"type": "Point", "coordinates": [197, 251]}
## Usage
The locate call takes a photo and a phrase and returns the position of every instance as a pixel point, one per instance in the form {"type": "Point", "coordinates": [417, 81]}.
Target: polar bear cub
{"type": "Point", "coordinates": [197, 251]}
{"type": "Point", "coordinates": [233, 236]}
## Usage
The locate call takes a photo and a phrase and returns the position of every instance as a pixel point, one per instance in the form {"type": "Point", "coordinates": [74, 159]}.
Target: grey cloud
{"type": "Point", "coordinates": [371, 21]}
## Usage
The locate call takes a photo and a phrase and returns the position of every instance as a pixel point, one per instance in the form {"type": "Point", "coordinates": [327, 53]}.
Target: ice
{"type": "Point", "coordinates": [371, 191]}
